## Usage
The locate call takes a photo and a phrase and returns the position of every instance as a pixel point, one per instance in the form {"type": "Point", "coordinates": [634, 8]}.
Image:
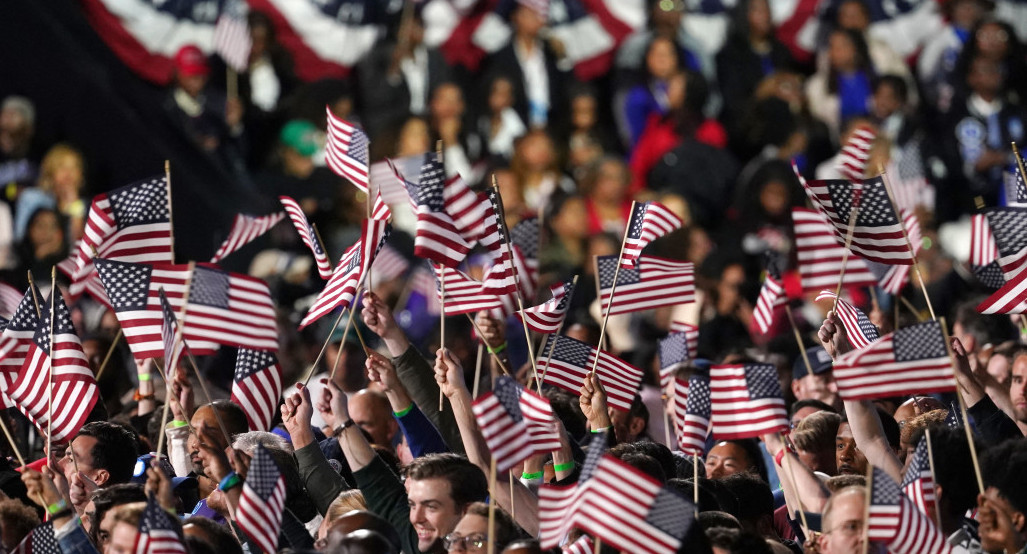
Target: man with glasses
{"type": "Point", "coordinates": [843, 520]}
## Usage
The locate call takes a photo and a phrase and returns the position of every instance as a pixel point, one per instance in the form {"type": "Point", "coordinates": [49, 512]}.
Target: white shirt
{"type": "Point", "coordinates": [415, 73]}
{"type": "Point", "coordinates": [536, 82]}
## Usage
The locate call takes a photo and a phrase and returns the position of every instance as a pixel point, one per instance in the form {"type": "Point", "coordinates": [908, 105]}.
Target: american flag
{"type": "Point", "coordinates": [557, 503]}
{"type": "Point", "coordinates": [893, 278]}
{"type": "Point", "coordinates": [515, 423]}
{"type": "Point", "coordinates": [878, 234]}
{"type": "Point", "coordinates": [380, 209]}
{"type": "Point", "coordinates": [501, 278]}
{"type": "Point", "coordinates": [1015, 189]}
{"type": "Point", "coordinates": [1010, 298]}
{"type": "Point", "coordinates": [437, 237]}
{"type": "Point", "coordinates": [262, 502]}
{"type": "Point", "coordinates": [858, 328]}
{"type": "Point", "coordinates": [746, 401]}
{"type": "Point", "coordinates": [691, 333]}
{"type": "Point", "coordinates": [40, 540]}
{"type": "Point", "coordinates": [9, 300]}
{"type": "Point", "coordinates": [852, 160]}
{"type": "Point", "coordinates": [232, 35]}
{"type": "Point", "coordinates": [470, 212]}
{"type": "Point", "coordinates": [820, 256]}
{"type": "Point", "coordinates": [655, 282]}
{"type": "Point", "coordinates": [918, 483]}
{"type": "Point", "coordinates": [65, 378]}
{"type": "Point", "coordinates": [647, 518]}
{"type": "Point", "coordinates": [390, 182]}
{"type": "Point", "coordinates": [349, 274]}
{"type": "Point", "coordinates": [772, 295]}
{"type": "Point", "coordinates": [174, 346]}
{"type": "Point", "coordinates": [674, 354]}
{"type": "Point", "coordinates": [15, 340]}
{"type": "Point", "coordinates": [984, 253]}
{"type": "Point", "coordinates": [893, 520]}
{"type": "Point", "coordinates": [952, 419]}
{"type": "Point", "coordinates": [912, 360]}
{"type": "Point", "coordinates": [463, 294]}
{"type": "Point", "coordinates": [525, 236]}
{"type": "Point", "coordinates": [245, 229]}
{"type": "Point", "coordinates": [649, 221]}
{"type": "Point", "coordinates": [257, 386]}
{"type": "Point", "coordinates": [308, 236]}
{"type": "Point", "coordinates": [572, 361]}
{"type": "Point", "coordinates": [346, 151]}
{"type": "Point", "coordinates": [692, 413]}
{"type": "Point", "coordinates": [130, 224]}
{"type": "Point", "coordinates": [582, 545]}
{"type": "Point", "coordinates": [92, 285]}
{"type": "Point", "coordinates": [548, 317]}
{"type": "Point", "coordinates": [224, 308]}
{"type": "Point", "coordinates": [158, 532]}
{"type": "Point", "coordinates": [1009, 229]}
{"type": "Point", "coordinates": [389, 264]}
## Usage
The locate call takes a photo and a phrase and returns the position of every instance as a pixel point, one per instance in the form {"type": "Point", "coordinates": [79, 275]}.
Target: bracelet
{"type": "Point", "coordinates": [338, 430]}
{"type": "Point", "coordinates": [601, 429]}
{"type": "Point", "coordinates": [230, 480]}
{"type": "Point", "coordinates": [144, 376]}
{"type": "Point", "coordinates": [497, 349]}
{"type": "Point", "coordinates": [404, 411]}
{"type": "Point", "coordinates": [564, 467]}
{"type": "Point", "coordinates": [781, 454]}
{"type": "Point", "coordinates": [532, 476]}
{"type": "Point", "coordinates": [175, 424]}
{"type": "Point", "coordinates": [57, 507]}
{"type": "Point", "coordinates": [137, 396]}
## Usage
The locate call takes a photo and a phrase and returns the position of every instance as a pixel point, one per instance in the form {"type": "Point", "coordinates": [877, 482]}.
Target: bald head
{"type": "Point", "coordinates": [373, 413]}
{"type": "Point", "coordinates": [360, 520]}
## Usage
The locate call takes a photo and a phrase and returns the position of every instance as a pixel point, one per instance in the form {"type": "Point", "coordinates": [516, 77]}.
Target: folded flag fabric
{"type": "Point", "coordinates": [245, 229]}
{"type": "Point", "coordinates": [548, 317]}
{"type": "Point", "coordinates": [984, 253]}
{"type": "Point", "coordinates": [346, 150]}
{"type": "Point", "coordinates": [692, 413]}
{"type": "Point", "coordinates": [772, 295]}
{"type": "Point", "coordinates": [262, 502]}
{"type": "Point", "coordinates": [257, 386]}
{"type": "Point", "coordinates": [648, 222]}
{"type": "Point", "coordinates": [852, 160]}
{"type": "Point", "coordinates": [691, 333]}
{"type": "Point", "coordinates": [820, 256]}
{"type": "Point", "coordinates": [911, 360]}
{"type": "Point", "coordinates": [858, 328]}
{"type": "Point", "coordinates": [557, 503]}
{"type": "Point", "coordinates": [746, 401]}
{"type": "Point", "coordinates": [158, 532]}
{"type": "Point", "coordinates": [918, 483]}
{"type": "Point", "coordinates": [516, 423]}
{"type": "Point", "coordinates": [1009, 230]}
{"type": "Point", "coordinates": [1010, 298]}
{"type": "Point", "coordinates": [654, 283]}
{"type": "Point", "coordinates": [437, 237]}
{"type": "Point", "coordinates": [674, 354]}
{"type": "Point", "coordinates": [308, 235]}
{"type": "Point", "coordinates": [571, 362]}
{"type": "Point", "coordinates": [463, 294]}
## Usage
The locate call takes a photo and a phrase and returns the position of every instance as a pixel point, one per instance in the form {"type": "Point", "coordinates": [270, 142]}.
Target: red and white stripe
{"type": "Point", "coordinates": [246, 229]}
{"type": "Point", "coordinates": [734, 414]}
{"type": "Point", "coordinates": [982, 244]}
{"type": "Point", "coordinates": [462, 293]}
{"type": "Point", "coordinates": [691, 333]}
{"type": "Point", "coordinates": [662, 282]}
{"type": "Point", "coordinates": [548, 317]}
{"type": "Point", "coordinates": [349, 275]}
{"type": "Point", "coordinates": [771, 296]}
{"type": "Point", "coordinates": [307, 235]}
{"type": "Point", "coordinates": [820, 256]}
{"type": "Point", "coordinates": [337, 152]}
{"type": "Point", "coordinates": [852, 160]}
{"type": "Point", "coordinates": [1010, 299]}
{"type": "Point", "coordinates": [232, 40]}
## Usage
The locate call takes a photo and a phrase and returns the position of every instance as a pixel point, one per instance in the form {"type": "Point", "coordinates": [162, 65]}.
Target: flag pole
{"type": "Point", "coordinates": [798, 336]}
{"type": "Point", "coordinates": [613, 290]}
{"type": "Point", "coordinates": [324, 245]}
{"type": "Point", "coordinates": [164, 416]}
{"type": "Point", "coordinates": [110, 352]}
{"type": "Point", "coordinates": [962, 409]}
{"type": "Point", "coordinates": [909, 244]}
{"type": "Point", "coordinates": [853, 213]}
{"type": "Point", "coordinates": [492, 506]}
{"type": "Point", "coordinates": [345, 331]}
{"type": "Point", "coordinates": [866, 508]}
{"type": "Point", "coordinates": [501, 222]}
{"type": "Point", "coordinates": [930, 461]}
{"type": "Point", "coordinates": [171, 224]}
{"type": "Point", "coordinates": [442, 311]}
{"type": "Point", "coordinates": [597, 546]}
{"type": "Point", "coordinates": [323, 347]}
{"type": "Point", "coordinates": [599, 295]}
{"type": "Point", "coordinates": [495, 356]}
{"type": "Point", "coordinates": [1019, 163]}
{"type": "Point", "coordinates": [666, 422]}
{"type": "Point", "coordinates": [49, 383]}
{"type": "Point", "coordinates": [477, 369]}
{"type": "Point", "coordinates": [695, 482]}
{"type": "Point", "coordinates": [786, 462]}
{"type": "Point", "coordinates": [35, 299]}
{"type": "Point", "coordinates": [10, 440]}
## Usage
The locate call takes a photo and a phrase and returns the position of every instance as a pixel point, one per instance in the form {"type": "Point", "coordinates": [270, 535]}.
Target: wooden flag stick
{"type": "Point", "coordinates": [345, 331]}
{"type": "Point", "coordinates": [442, 311]}
{"type": "Point", "coordinates": [909, 244]}
{"type": "Point", "coordinates": [513, 504]}
{"type": "Point", "coordinates": [930, 462]}
{"type": "Point", "coordinates": [798, 338]}
{"type": "Point", "coordinates": [49, 384]}
{"type": "Point", "coordinates": [324, 347]}
{"type": "Point", "coordinates": [492, 506]}
{"type": "Point", "coordinates": [786, 462]}
{"type": "Point", "coordinates": [613, 290]}
{"type": "Point", "coordinates": [666, 423]}
{"type": "Point", "coordinates": [324, 245]}
{"type": "Point", "coordinates": [477, 329]}
{"type": "Point", "coordinates": [171, 224]}
{"type": "Point", "coordinates": [866, 508]}
{"type": "Point", "coordinates": [477, 369]}
{"type": "Point", "coordinates": [599, 294]}
{"type": "Point", "coordinates": [556, 337]}
{"type": "Point", "coordinates": [597, 545]}
{"type": "Point", "coordinates": [962, 409]}
{"type": "Point", "coordinates": [853, 213]}
{"type": "Point", "coordinates": [1019, 163]}
{"type": "Point", "coordinates": [695, 482]}
{"type": "Point", "coordinates": [164, 417]}
{"type": "Point", "coordinates": [501, 222]}
{"type": "Point", "coordinates": [110, 352]}
{"type": "Point", "coordinates": [909, 305]}
{"type": "Point", "coordinates": [35, 299]}
{"type": "Point", "coordinates": [10, 440]}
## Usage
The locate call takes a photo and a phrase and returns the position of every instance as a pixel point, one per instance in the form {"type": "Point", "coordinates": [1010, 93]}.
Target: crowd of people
{"type": "Point", "coordinates": [384, 454]}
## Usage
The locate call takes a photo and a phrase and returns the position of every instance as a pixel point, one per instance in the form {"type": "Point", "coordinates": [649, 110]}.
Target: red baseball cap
{"type": "Point", "coordinates": [190, 61]}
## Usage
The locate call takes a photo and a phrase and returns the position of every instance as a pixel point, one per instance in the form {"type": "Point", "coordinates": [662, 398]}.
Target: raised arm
{"type": "Point", "coordinates": [422, 437]}
{"type": "Point", "coordinates": [810, 490]}
{"type": "Point", "coordinates": [524, 503]}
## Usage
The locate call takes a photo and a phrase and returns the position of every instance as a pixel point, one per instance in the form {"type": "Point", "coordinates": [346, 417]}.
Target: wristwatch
{"type": "Point", "coordinates": [346, 425]}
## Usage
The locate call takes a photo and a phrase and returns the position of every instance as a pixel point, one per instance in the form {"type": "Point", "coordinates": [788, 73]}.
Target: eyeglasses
{"type": "Point", "coordinates": [848, 528]}
{"type": "Point", "coordinates": [453, 542]}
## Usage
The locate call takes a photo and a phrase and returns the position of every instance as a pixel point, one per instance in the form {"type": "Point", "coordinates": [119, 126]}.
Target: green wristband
{"type": "Point", "coordinates": [497, 349]}
{"type": "Point", "coordinates": [532, 476]}
{"type": "Point", "coordinates": [175, 424]}
{"type": "Point", "coordinates": [57, 507]}
{"type": "Point", "coordinates": [404, 411]}
{"type": "Point", "coordinates": [602, 430]}
{"type": "Point", "coordinates": [564, 467]}
{"type": "Point", "coordinates": [144, 376]}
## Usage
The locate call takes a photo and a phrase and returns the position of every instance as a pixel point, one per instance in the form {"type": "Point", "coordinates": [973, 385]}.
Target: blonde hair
{"type": "Point", "coordinates": [53, 159]}
{"type": "Point", "coordinates": [346, 502]}
{"type": "Point", "coordinates": [129, 513]}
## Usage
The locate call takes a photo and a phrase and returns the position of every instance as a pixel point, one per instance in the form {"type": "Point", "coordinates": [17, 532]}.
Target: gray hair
{"type": "Point", "coordinates": [247, 442]}
{"type": "Point", "coordinates": [23, 105]}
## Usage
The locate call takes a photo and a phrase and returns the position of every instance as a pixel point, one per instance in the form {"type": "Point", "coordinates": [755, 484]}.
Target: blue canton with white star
{"type": "Point", "coordinates": [637, 220]}
{"type": "Point", "coordinates": [140, 203]}
{"type": "Point", "coordinates": [508, 393]}
{"type": "Point", "coordinates": [673, 349]}
{"type": "Point", "coordinates": [429, 189]}
{"type": "Point", "coordinates": [127, 284]}
{"type": "Point", "coordinates": [761, 380]}
{"type": "Point", "coordinates": [920, 342]}
{"type": "Point", "coordinates": [698, 401]}
{"type": "Point", "coordinates": [264, 473]}
{"type": "Point", "coordinates": [608, 268]}
{"type": "Point", "coordinates": [1009, 227]}
{"type": "Point", "coordinates": [209, 288]}
{"type": "Point", "coordinates": [249, 361]}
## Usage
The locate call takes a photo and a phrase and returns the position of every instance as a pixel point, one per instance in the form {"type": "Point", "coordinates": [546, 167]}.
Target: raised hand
{"type": "Point", "coordinates": [333, 405]}
{"type": "Point", "coordinates": [380, 370]}
{"type": "Point", "coordinates": [593, 403]}
{"type": "Point", "coordinates": [296, 413]}
{"type": "Point", "coordinates": [448, 374]}
{"type": "Point", "coordinates": [832, 335]}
